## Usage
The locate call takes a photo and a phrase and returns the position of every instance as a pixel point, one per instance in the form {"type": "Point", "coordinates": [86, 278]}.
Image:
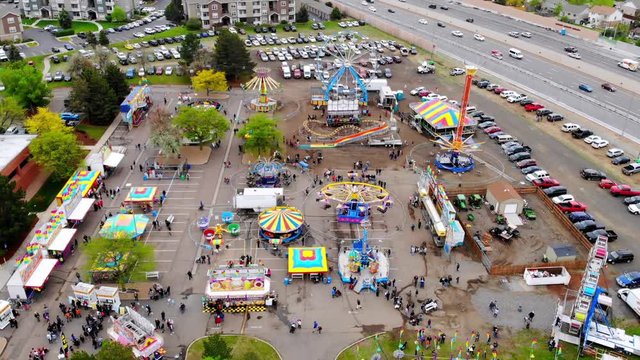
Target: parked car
{"type": "Point", "coordinates": [591, 174]}
{"type": "Point", "coordinates": [606, 184]}
{"type": "Point", "coordinates": [526, 163]}
{"type": "Point", "coordinates": [547, 183]}
{"type": "Point", "coordinates": [572, 206]}
{"type": "Point", "coordinates": [533, 107]}
{"type": "Point", "coordinates": [130, 74]}
{"type": "Point", "coordinates": [634, 209]}
{"type": "Point", "coordinates": [631, 169]}
{"type": "Point", "coordinates": [555, 191]}
{"type": "Point", "coordinates": [562, 199]}
{"type": "Point", "coordinates": [620, 256]}
{"type": "Point", "coordinates": [519, 156]}
{"type": "Point", "coordinates": [623, 190]}
{"type": "Point", "coordinates": [599, 143]}
{"type": "Point", "coordinates": [555, 117]}
{"type": "Point", "coordinates": [576, 217]}
{"type": "Point", "coordinates": [592, 236]}
{"type": "Point", "coordinates": [516, 149]}
{"type": "Point", "coordinates": [581, 133]}
{"type": "Point", "coordinates": [543, 112]}
{"type": "Point", "coordinates": [631, 200]}
{"type": "Point", "coordinates": [629, 280]}
{"type": "Point", "coordinates": [59, 76]}
{"type": "Point", "coordinates": [614, 152]}
{"type": "Point", "coordinates": [530, 169]}
{"type": "Point", "coordinates": [588, 225]}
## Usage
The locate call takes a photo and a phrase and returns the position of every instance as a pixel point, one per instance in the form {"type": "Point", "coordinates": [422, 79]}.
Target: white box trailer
{"type": "Point", "coordinates": [628, 64]}
{"type": "Point", "coordinates": [632, 298]}
{"type": "Point", "coordinates": [548, 275]}
{"type": "Point", "coordinates": [257, 199]}
{"type": "Point", "coordinates": [376, 84]}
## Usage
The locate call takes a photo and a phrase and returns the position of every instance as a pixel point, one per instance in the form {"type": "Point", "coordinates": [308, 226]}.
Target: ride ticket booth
{"type": "Point", "coordinates": [6, 313]}
{"type": "Point", "coordinates": [107, 295]}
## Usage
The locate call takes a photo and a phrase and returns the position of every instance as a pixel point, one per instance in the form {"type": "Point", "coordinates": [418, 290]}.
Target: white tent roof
{"type": "Point", "coordinates": [114, 159]}
{"type": "Point", "coordinates": [41, 273]}
{"type": "Point", "coordinates": [81, 209]}
{"type": "Point", "coordinates": [62, 240]}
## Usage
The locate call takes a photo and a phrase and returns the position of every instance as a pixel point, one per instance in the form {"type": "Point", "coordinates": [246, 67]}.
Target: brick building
{"type": "Point", "coordinates": [15, 160]}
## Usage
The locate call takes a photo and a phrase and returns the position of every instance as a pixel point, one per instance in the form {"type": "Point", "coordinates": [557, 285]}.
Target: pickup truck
{"type": "Point", "coordinates": [592, 236]}
{"type": "Point", "coordinates": [572, 206]}
{"type": "Point", "coordinates": [623, 190]}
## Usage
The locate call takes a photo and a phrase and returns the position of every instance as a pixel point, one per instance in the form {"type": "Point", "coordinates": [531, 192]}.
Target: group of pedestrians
{"type": "Point", "coordinates": [297, 325]}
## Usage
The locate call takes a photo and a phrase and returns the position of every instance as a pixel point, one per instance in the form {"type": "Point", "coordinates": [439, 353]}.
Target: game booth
{"type": "Point", "coordinates": [439, 118]}
{"type": "Point", "coordinates": [132, 329]}
{"type": "Point", "coordinates": [135, 105]}
{"type": "Point", "coordinates": [6, 314]}
{"type": "Point", "coordinates": [121, 226]}
{"type": "Point", "coordinates": [142, 196]}
{"type": "Point", "coordinates": [310, 261]}
{"type": "Point", "coordinates": [237, 289]}
{"type": "Point", "coordinates": [84, 181]}
{"type": "Point", "coordinates": [91, 296]}
{"type": "Point", "coordinates": [53, 237]}
{"type": "Point", "coordinates": [281, 224]}
{"type": "Point", "coordinates": [31, 275]}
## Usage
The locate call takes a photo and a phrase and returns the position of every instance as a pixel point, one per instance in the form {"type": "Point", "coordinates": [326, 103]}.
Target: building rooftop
{"type": "Point", "coordinates": [562, 250]}
{"type": "Point", "coordinates": [502, 191]}
{"type": "Point", "coordinates": [9, 8]}
{"type": "Point", "coordinates": [603, 10]}
{"type": "Point", "coordinates": [11, 146]}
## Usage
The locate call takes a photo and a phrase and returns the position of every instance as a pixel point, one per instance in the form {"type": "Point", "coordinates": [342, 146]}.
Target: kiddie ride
{"type": "Point", "coordinates": [354, 200]}
{"type": "Point", "coordinates": [362, 266]}
{"type": "Point", "coordinates": [214, 234]}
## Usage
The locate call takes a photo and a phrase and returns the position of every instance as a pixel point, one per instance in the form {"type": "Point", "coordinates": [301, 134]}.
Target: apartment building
{"type": "Point", "coordinates": [10, 23]}
{"type": "Point", "coordinates": [78, 9]}
{"type": "Point", "coordinates": [227, 12]}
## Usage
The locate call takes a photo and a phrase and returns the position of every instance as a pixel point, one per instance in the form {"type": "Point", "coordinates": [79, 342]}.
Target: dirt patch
{"type": "Point", "coordinates": [84, 138]}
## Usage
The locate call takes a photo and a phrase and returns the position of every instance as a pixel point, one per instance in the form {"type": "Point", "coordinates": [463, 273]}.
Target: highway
{"type": "Point", "coordinates": [537, 76]}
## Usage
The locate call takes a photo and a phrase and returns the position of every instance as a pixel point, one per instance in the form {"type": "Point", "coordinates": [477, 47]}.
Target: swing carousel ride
{"type": "Point", "coordinates": [263, 83]}
{"type": "Point", "coordinates": [362, 266]}
{"type": "Point", "coordinates": [354, 200]}
{"type": "Point", "coordinates": [268, 173]}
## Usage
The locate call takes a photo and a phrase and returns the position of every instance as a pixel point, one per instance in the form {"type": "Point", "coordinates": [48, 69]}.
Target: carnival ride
{"type": "Point", "coordinates": [267, 173]}
{"type": "Point", "coordinates": [457, 157]}
{"type": "Point", "coordinates": [362, 266]}
{"type": "Point", "coordinates": [263, 83]}
{"type": "Point", "coordinates": [281, 224]}
{"type": "Point", "coordinates": [354, 200]}
{"type": "Point", "coordinates": [214, 234]}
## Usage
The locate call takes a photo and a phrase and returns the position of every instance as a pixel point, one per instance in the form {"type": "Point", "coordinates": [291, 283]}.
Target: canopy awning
{"type": "Point", "coordinates": [62, 240]}
{"type": "Point", "coordinates": [81, 209]}
{"type": "Point", "coordinates": [113, 160]}
{"type": "Point", "coordinates": [41, 273]}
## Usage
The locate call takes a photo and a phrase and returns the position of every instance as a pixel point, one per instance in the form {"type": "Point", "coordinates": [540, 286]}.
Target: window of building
{"type": "Point", "coordinates": [205, 14]}
{"type": "Point", "coordinates": [11, 20]}
{"type": "Point", "coordinates": [109, 8]}
{"type": "Point", "coordinates": [256, 3]}
{"type": "Point", "coordinates": [34, 7]}
{"type": "Point", "coordinates": [214, 7]}
{"type": "Point", "coordinates": [243, 12]}
{"type": "Point", "coordinates": [205, 6]}
{"type": "Point", "coordinates": [13, 174]}
{"type": "Point", "coordinates": [12, 29]}
{"type": "Point", "coordinates": [242, 4]}
{"type": "Point", "coordinates": [24, 163]}
{"type": "Point", "coordinates": [283, 11]}
{"type": "Point", "coordinates": [283, 3]}
{"type": "Point", "coordinates": [76, 14]}
{"type": "Point", "coordinates": [60, 6]}
{"type": "Point", "coordinates": [74, 6]}
{"type": "Point", "coordinates": [256, 11]}
{"type": "Point", "coordinates": [205, 22]}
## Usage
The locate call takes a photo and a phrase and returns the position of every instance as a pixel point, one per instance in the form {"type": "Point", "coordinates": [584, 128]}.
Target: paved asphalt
{"type": "Point", "coordinates": [533, 74]}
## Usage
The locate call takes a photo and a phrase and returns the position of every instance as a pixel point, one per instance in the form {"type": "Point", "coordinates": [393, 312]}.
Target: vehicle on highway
{"type": "Point", "coordinates": [570, 49]}
{"type": "Point", "coordinates": [592, 174]}
{"type": "Point", "coordinates": [569, 127]}
{"type": "Point", "coordinates": [515, 53]}
{"type": "Point", "coordinates": [585, 88]}
{"type": "Point", "coordinates": [391, 11]}
{"type": "Point", "coordinates": [423, 21]}
{"type": "Point", "coordinates": [621, 160]}
{"type": "Point", "coordinates": [496, 54]}
{"type": "Point", "coordinates": [441, 25]}
{"type": "Point", "coordinates": [574, 55]}
{"type": "Point", "coordinates": [606, 184]}
{"type": "Point", "coordinates": [526, 34]}
{"type": "Point", "coordinates": [631, 169]}
{"type": "Point", "coordinates": [555, 117]}
{"type": "Point", "coordinates": [563, 199]}
{"type": "Point", "coordinates": [526, 163]}
{"type": "Point", "coordinates": [591, 138]}
{"type": "Point", "coordinates": [599, 144]}
{"type": "Point", "coordinates": [620, 256]}
{"type": "Point", "coordinates": [631, 200]}
{"type": "Point", "coordinates": [478, 37]}
{"type": "Point", "coordinates": [530, 169]}
{"type": "Point", "coordinates": [581, 133]}
{"type": "Point", "coordinates": [443, 7]}
{"type": "Point", "coordinates": [572, 206]}
{"type": "Point", "coordinates": [608, 87]}
{"type": "Point", "coordinates": [457, 71]}
{"type": "Point", "coordinates": [623, 190]}
{"type": "Point", "coordinates": [629, 280]}
{"type": "Point", "coordinates": [533, 107]}
{"type": "Point", "coordinates": [457, 33]}
{"type": "Point", "coordinates": [629, 64]}
{"type": "Point", "coordinates": [371, 8]}
{"type": "Point", "coordinates": [433, 6]}
{"type": "Point", "coordinates": [592, 236]}
{"type": "Point", "coordinates": [362, 3]}
{"type": "Point", "coordinates": [555, 191]}
{"type": "Point", "coordinates": [469, 20]}
{"type": "Point", "coordinates": [514, 34]}
{"type": "Point", "coordinates": [546, 183]}
{"type": "Point", "coordinates": [634, 209]}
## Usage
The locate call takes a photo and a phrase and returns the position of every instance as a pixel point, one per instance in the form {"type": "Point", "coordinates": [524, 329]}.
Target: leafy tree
{"type": "Point", "coordinates": [58, 152]}
{"type": "Point", "coordinates": [13, 54]}
{"type": "Point", "coordinates": [81, 355]}
{"type": "Point", "coordinates": [190, 47]}
{"type": "Point", "coordinates": [262, 137]}
{"type": "Point", "coordinates": [203, 60]}
{"type": "Point", "coordinates": [99, 110]}
{"type": "Point", "coordinates": [14, 215]}
{"type": "Point", "coordinates": [117, 81]}
{"type": "Point", "coordinates": [201, 124]}
{"type": "Point", "coordinates": [302, 16]}
{"type": "Point", "coordinates": [101, 58]}
{"type": "Point", "coordinates": [557, 10]}
{"type": "Point", "coordinates": [25, 83]}
{"type": "Point", "coordinates": [91, 39]}
{"type": "Point", "coordinates": [10, 112]}
{"type": "Point", "coordinates": [215, 346]}
{"type": "Point", "coordinates": [77, 64]}
{"type": "Point", "coordinates": [335, 14]}
{"type": "Point", "coordinates": [118, 14]}
{"type": "Point", "coordinates": [209, 80]}
{"type": "Point", "coordinates": [231, 56]}
{"type": "Point", "coordinates": [536, 4]}
{"type": "Point", "coordinates": [102, 38]}
{"type": "Point", "coordinates": [112, 350]}
{"type": "Point", "coordinates": [193, 24]}
{"type": "Point", "coordinates": [174, 11]}
{"type": "Point", "coordinates": [65, 19]}
{"type": "Point", "coordinates": [140, 259]}
{"type": "Point", "coordinates": [163, 134]}
{"type": "Point", "coordinates": [515, 3]}
{"type": "Point", "coordinates": [44, 121]}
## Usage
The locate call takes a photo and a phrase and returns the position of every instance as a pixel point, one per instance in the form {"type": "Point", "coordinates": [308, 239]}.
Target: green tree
{"type": "Point", "coordinates": [536, 4]}
{"type": "Point", "coordinates": [10, 112]}
{"type": "Point", "coordinates": [302, 16]}
{"type": "Point", "coordinates": [174, 11]}
{"type": "Point", "coordinates": [102, 38]}
{"type": "Point", "coordinates": [231, 56]}
{"type": "Point", "coordinates": [209, 80]}
{"type": "Point", "coordinates": [44, 121]}
{"type": "Point", "coordinates": [203, 60]}
{"type": "Point", "coordinates": [58, 152]}
{"type": "Point", "coordinates": [13, 54]}
{"type": "Point", "coordinates": [14, 215]}
{"type": "Point", "coordinates": [201, 124]}
{"type": "Point", "coordinates": [193, 24]}
{"type": "Point", "coordinates": [117, 81]}
{"type": "Point", "coordinates": [25, 83]}
{"type": "Point", "coordinates": [81, 355]}
{"type": "Point", "coordinates": [138, 260]}
{"type": "Point", "coordinates": [78, 64]}
{"type": "Point", "coordinates": [215, 346]}
{"type": "Point", "coordinates": [91, 39]}
{"type": "Point", "coordinates": [111, 350]}
{"type": "Point", "coordinates": [164, 134]}
{"type": "Point", "coordinates": [99, 110]}
{"type": "Point", "coordinates": [118, 14]}
{"type": "Point", "coordinates": [557, 10]}
{"type": "Point", "coordinates": [261, 134]}
{"type": "Point", "coordinates": [190, 47]}
{"type": "Point", "coordinates": [335, 14]}
{"type": "Point", "coordinates": [65, 19]}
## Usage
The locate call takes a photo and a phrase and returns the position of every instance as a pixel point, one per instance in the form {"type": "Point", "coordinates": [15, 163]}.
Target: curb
{"type": "Point", "coordinates": [358, 342]}
{"type": "Point", "coordinates": [248, 336]}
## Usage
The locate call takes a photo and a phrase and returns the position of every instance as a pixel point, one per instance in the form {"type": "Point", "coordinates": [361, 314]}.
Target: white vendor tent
{"type": "Point", "coordinates": [81, 209]}
{"type": "Point", "coordinates": [41, 273]}
{"type": "Point", "coordinates": [62, 240]}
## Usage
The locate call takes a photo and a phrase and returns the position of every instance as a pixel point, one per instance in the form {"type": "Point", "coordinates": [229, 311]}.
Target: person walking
{"type": "Point", "coordinates": [37, 316]}
{"type": "Point", "coordinates": [457, 266]}
{"type": "Point", "coordinates": [315, 326]}
{"type": "Point", "coordinates": [319, 329]}
{"type": "Point", "coordinates": [189, 275]}
{"type": "Point", "coordinates": [358, 304]}
{"type": "Point", "coordinates": [163, 316]}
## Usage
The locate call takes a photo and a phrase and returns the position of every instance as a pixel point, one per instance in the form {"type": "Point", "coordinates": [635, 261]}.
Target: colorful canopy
{"type": "Point", "coordinates": [81, 181]}
{"type": "Point", "coordinates": [440, 115]}
{"type": "Point", "coordinates": [141, 194]}
{"type": "Point", "coordinates": [124, 225]}
{"type": "Point", "coordinates": [308, 260]}
{"type": "Point", "coordinates": [280, 219]}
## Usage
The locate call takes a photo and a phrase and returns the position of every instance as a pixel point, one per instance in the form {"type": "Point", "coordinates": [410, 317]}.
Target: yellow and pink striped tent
{"type": "Point", "coordinates": [439, 115]}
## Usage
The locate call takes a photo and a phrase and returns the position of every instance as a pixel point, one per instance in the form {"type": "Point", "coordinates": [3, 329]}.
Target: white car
{"type": "Point", "coordinates": [149, 31]}
{"type": "Point", "coordinates": [634, 209]}
{"type": "Point", "coordinates": [371, 8]}
{"type": "Point", "coordinates": [141, 72]}
{"type": "Point", "coordinates": [599, 144]}
{"type": "Point", "coordinates": [138, 35]}
{"type": "Point", "coordinates": [526, 34]}
{"type": "Point", "coordinates": [575, 55]}
{"type": "Point", "coordinates": [457, 71]}
{"type": "Point", "coordinates": [457, 33]}
{"type": "Point", "coordinates": [563, 198]}
{"type": "Point", "coordinates": [516, 98]}
{"type": "Point", "coordinates": [415, 91]}
{"type": "Point", "coordinates": [508, 93]}
{"type": "Point", "coordinates": [342, 25]}
{"type": "Point", "coordinates": [592, 138]}
{"type": "Point", "coordinates": [454, 102]}
{"type": "Point", "coordinates": [423, 21]}
{"type": "Point", "coordinates": [443, 98]}
{"type": "Point", "coordinates": [614, 152]}
{"type": "Point", "coordinates": [233, 30]}
{"type": "Point", "coordinates": [364, 3]}
{"type": "Point", "coordinates": [431, 96]}
{"type": "Point", "coordinates": [514, 34]}
{"type": "Point", "coordinates": [168, 70]}
{"type": "Point", "coordinates": [478, 37]}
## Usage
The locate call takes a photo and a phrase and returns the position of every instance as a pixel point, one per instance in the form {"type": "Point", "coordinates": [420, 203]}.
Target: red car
{"type": "Point", "coordinates": [499, 90]}
{"type": "Point", "coordinates": [492, 129]}
{"type": "Point", "coordinates": [533, 107]}
{"type": "Point", "coordinates": [572, 206]}
{"type": "Point", "coordinates": [606, 184]}
{"type": "Point", "coordinates": [424, 92]}
{"type": "Point", "coordinates": [545, 182]}
{"type": "Point", "coordinates": [623, 190]}
{"type": "Point", "coordinates": [526, 163]}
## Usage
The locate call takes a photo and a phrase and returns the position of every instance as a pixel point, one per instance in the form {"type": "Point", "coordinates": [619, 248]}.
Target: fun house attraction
{"type": "Point", "coordinates": [281, 224]}
{"type": "Point", "coordinates": [354, 200]}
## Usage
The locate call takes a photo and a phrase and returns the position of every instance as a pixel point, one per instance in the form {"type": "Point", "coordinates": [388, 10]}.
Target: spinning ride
{"type": "Point", "coordinates": [267, 173]}
{"type": "Point", "coordinates": [354, 200]}
{"type": "Point", "coordinates": [214, 234]}
{"type": "Point", "coordinates": [362, 266]}
{"type": "Point", "coordinates": [263, 83]}
{"type": "Point", "coordinates": [281, 224]}
{"type": "Point", "coordinates": [457, 157]}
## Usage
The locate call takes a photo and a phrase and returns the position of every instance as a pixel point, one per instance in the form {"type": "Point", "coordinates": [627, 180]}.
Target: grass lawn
{"type": "Point", "coordinates": [241, 347]}
{"type": "Point", "coordinates": [33, 44]}
{"type": "Point", "coordinates": [592, 2]}
{"type": "Point", "coordinates": [94, 131]}
{"type": "Point", "coordinates": [41, 200]}
{"type": "Point", "coordinates": [77, 26]}
{"type": "Point", "coordinates": [28, 21]}
{"type": "Point", "coordinates": [163, 80]}
{"type": "Point", "coordinates": [108, 25]}
{"type": "Point", "coordinates": [516, 348]}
